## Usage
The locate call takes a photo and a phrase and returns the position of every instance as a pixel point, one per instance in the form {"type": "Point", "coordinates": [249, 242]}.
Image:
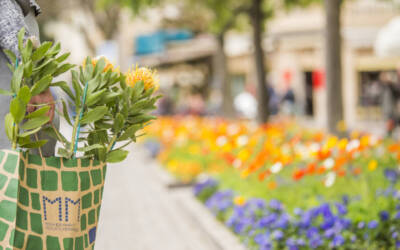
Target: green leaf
{"type": "Point", "coordinates": [54, 50]}
{"type": "Point", "coordinates": [17, 78]}
{"type": "Point", "coordinates": [64, 86]}
{"type": "Point", "coordinates": [21, 36]}
{"type": "Point", "coordinates": [6, 92]}
{"type": "Point", "coordinates": [137, 90]}
{"type": "Point", "coordinates": [117, 156]}
{"type": "Point", "coordinates": [63, 57]}
{"type": "Point", "coordinates": [91, 147]}
{"type": "Point", "coordinates": [64, 153]}
{"type": "Point", "coordinates": [95, 97]}
{"type": "Point", "coordinates": [26, 52]}
{"type": "Point", "coordinates": [23, 140]}
{"type": "Point", "coordinates": [36, 144]}
{"type": "Point", "coordinates": [30, 132]}
{"type": "Point", "coordinates": [63, 68]}
{"type": "Point", "coordinates": [17, 110]}
{"type": "Point", "coordinates": [39, 53]}
{"type": "Point", "coordinates": [49, 69]}
{"type": "Point", "coordinates": [39, 112]}
{"type": "Point", "coordinates": [28, 69]}
{"type": "Point", "coordinates": [141, 118]}
{"type": "Point", "coordinates": [42, 85]}
{"type": "Point", "coordinates": [100, 65]}
{"type": "Point", "coordinates": [24, 94]}
{"type": "Point", "coordinates": [52, 132]}
{"type": "Point", "coordinates": [9, 126]}
{"type": "Point", "coordinates": [65, 113]}
{"type": "Point", "coordinates": [75, 83]}
{"type": "Point", "coordinates": [109, 97]}
{"type": "Point", "coordinates": [130, 132]}
{"type": "Point", "coordinates": [10, 55]}
{"type": "Point", "coordinates": [118, 122]}
{"type": "Point", "coordinates": [94, 115]}
{"type": "Point", "coordinates": [35, 122]}
{"type": "Point", "coordinates": [93, 84]}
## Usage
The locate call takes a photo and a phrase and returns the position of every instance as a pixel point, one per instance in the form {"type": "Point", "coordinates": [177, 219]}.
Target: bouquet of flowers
{"type": "Point", "coordinates": [59, 197]}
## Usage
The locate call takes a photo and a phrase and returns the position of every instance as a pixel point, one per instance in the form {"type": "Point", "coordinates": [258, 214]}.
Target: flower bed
{"type": "Point", "coordinates": [281, 186]}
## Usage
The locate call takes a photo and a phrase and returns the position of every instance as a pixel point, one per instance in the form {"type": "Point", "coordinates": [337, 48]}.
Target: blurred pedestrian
{"type": "Point", "coordinates": [246, 103]}
{"type": "Point", "coordinates": [15, 15]}
{"type": "Point", "coordinates": [390, 103]}
{"type": "Point", "coordinates": [288, 102]}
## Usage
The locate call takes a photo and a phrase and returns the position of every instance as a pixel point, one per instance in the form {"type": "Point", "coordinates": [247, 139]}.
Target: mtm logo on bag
{"type": "Point", "coordinates": [49, 203]}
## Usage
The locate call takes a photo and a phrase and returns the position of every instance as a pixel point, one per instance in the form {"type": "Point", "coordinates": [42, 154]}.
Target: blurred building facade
{"type": "Point", "coordinates": [295, 57]}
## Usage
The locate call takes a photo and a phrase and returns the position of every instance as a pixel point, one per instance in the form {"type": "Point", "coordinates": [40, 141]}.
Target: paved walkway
{"type": "Point", "coordinates": [140, 213]}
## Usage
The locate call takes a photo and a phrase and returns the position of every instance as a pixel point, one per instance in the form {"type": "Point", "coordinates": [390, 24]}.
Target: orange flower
{"type": "Point", "coordinates": [149, 78]}
{"type": "Point", "coordinates": [272, 185]}
{"type": "Point", "coordinates": [298, 174]}
{"type": "Point", "coordinates": [239, 201]}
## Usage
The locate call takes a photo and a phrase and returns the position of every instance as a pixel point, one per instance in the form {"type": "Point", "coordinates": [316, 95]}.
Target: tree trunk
{"type": "Point", "coordinates": [333, 65]}
{"type": "Point", "coordinates": [222, 78]}
{"type": "Point", "coordinates": [262, 89]}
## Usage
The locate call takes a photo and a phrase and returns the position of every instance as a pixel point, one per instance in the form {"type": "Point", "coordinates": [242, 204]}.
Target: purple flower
{"type": "Point", "coordinates": [275, 204]}
{"type": "Point", "coordinates": [372, 224]}
{"type": "Point", "coordinates": [345, 199]}
{"type": "Point", "coordinates": [328, 223]}
{"type": "Point", "coordinates": [298, 211]}
{"type": "Point", "coordinates": [384, 215]}
{"type": "Point", "coordinates": [397, 244]}
{"type": "Point", "coordinates": [361, 225]}
{"type": "Point", "coordinates": [315, 242]}
{"type": "Point", "coordinates": [291, 244]}
{"type": "Point", "coordinates": [397, 216]}
{"type": "Point", "coordinates": [301, 242]}
{"type": "Point", "coordinates": [338, 241]}
{"type": "Point", "coordinates": [313, 231]}
{"type": "Point", "coordinates": [263, 240]}
{"type": "Point", "coordinates": [391, 174]}
{"type": "Point", "coordinates": [342, 210]}
{"type": "Point", "coordinates": [282, 222]}
{"type": "Point", "coordinates": [395, 235]}
{"type": "Point", "coordinates": [329, 233]}
{"type": "Point", "coordinates": [200, 186]}
{"type": "Point", "coordinates": [267, 220]}
{"type": "Point", "coordinates": [277, 235]}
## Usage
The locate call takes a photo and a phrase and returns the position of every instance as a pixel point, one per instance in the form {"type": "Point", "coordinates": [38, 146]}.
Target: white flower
{"type": "Point", "coordinates": [330, 179]}
{"type": "Point", "coordinates": [353, 144]}
{"type": "Point", "coordinates": [221, 141]}
{"type": "Point", "coordinates": [233, 129]}
{"type": "Point", "coordinates": [237, 163]}
{"type": "Point", "coordinates": [242, 140]}
{"type": "Point", "coordinates": [329, 163]}
{"type": "Point", "coordinates": [276, 168]}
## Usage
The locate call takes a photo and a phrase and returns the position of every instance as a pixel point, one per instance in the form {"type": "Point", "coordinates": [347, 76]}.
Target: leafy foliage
{"type": "Point", "coordinates": [108, 111]}
{"type": "Point", "coordinates": [32, 75]}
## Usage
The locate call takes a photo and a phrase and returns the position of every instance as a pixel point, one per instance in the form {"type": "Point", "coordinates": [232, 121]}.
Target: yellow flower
{"type": "Point", "coordinates": [149, 78]}
{"type": "Point", "coordinates": [239, 201]}
{"type": "Point", "coordinates": [372, 165]}
{"type": "Point", "coordinates": [107, 67]}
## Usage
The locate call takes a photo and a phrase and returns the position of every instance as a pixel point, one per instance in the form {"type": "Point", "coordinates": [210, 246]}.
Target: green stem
{"type": "Point", "coordinates": [60, 139]}
{"type": "Point", "coordinates": [113, 140]}
{"type": "Point", "coordinates": [16, 129]}
{"type": "Point", "coordinates": [126, 144]}
{"type": "Point", "coordinates": [74, 131]}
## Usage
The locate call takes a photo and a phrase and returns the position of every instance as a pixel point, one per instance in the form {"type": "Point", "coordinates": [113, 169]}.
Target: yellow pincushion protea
{"type": "Point", "coordinates": [109, 65]}
{"type": "Point", "coordinates": [148, 76]}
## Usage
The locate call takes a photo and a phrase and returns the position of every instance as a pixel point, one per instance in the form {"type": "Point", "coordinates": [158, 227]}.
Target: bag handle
{"type": "Point", "coordinates": [80, 117]}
